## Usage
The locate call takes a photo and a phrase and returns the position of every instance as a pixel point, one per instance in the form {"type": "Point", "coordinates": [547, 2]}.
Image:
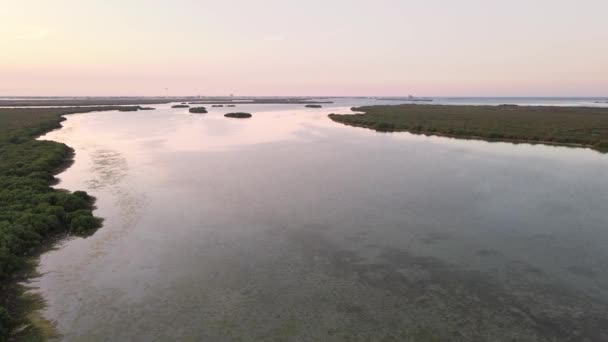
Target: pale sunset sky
{"type": "Point", "coordinates": [314, 47]}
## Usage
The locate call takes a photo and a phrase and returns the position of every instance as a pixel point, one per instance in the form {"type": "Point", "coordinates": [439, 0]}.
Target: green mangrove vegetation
{"type": "Point", "coordinates": [198, 110]}
{"type": "Point", "coordinates": [129, 109]}
{"type": "Point", "coordinates": [313, 106]}
{"type": "Point", "coordinates": [31, 212]}
{"type": "Point", "coordinates": [180, 106]}
{"type": "Point", "coordinates": [238, 115]}
{"type": "Point", "coordinates": [133, 108]}
{"type": "Point", "coordinates": [575, 126]}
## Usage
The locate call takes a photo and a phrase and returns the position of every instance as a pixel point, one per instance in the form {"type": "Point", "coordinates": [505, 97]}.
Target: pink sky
{"type": "Point", "coordinates": [464, 48]}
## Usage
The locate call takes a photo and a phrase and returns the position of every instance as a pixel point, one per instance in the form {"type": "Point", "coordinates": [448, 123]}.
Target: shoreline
{"type": "Point", "coordinates": [470, 137]}
{"type": "Point", "coordinates": [577, 127]}
{"type": "Point", "coordinates": [23, 148]}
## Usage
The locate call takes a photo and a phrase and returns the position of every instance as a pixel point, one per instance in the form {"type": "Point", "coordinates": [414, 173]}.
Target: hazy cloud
{"type": "Point", "coordinates": [274, 38]}
{"type": "Point", "coordinates": [33, 32]}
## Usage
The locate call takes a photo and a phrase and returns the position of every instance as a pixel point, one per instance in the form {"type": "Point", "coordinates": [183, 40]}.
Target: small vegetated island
{"type": "Point", "coordinates": [574, 126]}
{"type": "Point", "coordinates": [238, 115]}
{"type": "Point", "coordinates": [31, 212]}
{"type": "Point", "coordinates": [180, 106]}
{"type": "Point", "coordinates": [134, 108]}
{"type": "Point", "coordinates": [313, 106]}
{"type": "Point", "coordinates": [198, 110]}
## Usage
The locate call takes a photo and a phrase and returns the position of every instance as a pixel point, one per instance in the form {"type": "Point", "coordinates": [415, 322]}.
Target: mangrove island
{"type": "Point", "coordinates": [238, 115]}
{"type": "Point", "coordinates": [198, 110]}
{"type": "Point", "coordinates": [134, 108]}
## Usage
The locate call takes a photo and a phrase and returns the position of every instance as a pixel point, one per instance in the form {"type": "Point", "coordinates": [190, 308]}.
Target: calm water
{"type": "Point", "coordinates": [291, 227]}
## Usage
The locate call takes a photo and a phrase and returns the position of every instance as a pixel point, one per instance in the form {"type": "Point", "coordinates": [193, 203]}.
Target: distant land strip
{"type": "Point", "coordinates": [261, 101]}
{"type": "Point", "coordinates": [87, 102]}
{"type": "Point", "coordinates": [568, 126]}
{"type": "Point", "coordinates": [105, 101]}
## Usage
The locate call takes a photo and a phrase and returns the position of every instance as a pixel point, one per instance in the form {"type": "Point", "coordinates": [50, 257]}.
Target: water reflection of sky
{"type": "Point", "coordinates": [211, 223]}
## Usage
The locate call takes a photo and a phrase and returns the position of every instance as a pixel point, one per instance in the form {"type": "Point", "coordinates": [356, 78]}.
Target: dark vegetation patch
{"type": "Point", "coordinates": [180, 106]}
{"type": "Point", "coordinates": [576, 126]}
{"type": "Point", "coordinates": [198, 110]}
{"type": "Point", "coordinates": [129, 109]}
{"type": "Point", "coordinates": [217, 105]}
{"type": "Point", "coordinates": [238, 115]}
{"type": "Point", "coordinates": [134, 108]}
{"type": "Point", "coordinates": [313, 106]}
{"type": "Point", "coordinates": [31, 212]}
{"type": "Point", "coordinates": [230, 105]}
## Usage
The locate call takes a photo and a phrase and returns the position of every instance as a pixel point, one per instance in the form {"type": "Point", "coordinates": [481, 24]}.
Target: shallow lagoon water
{"type": "Point", "coordinates": [288, 226]}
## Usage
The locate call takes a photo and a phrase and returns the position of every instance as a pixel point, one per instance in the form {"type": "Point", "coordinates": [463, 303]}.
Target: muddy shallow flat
{"type": "Point", "coordinates": [288, 226]}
